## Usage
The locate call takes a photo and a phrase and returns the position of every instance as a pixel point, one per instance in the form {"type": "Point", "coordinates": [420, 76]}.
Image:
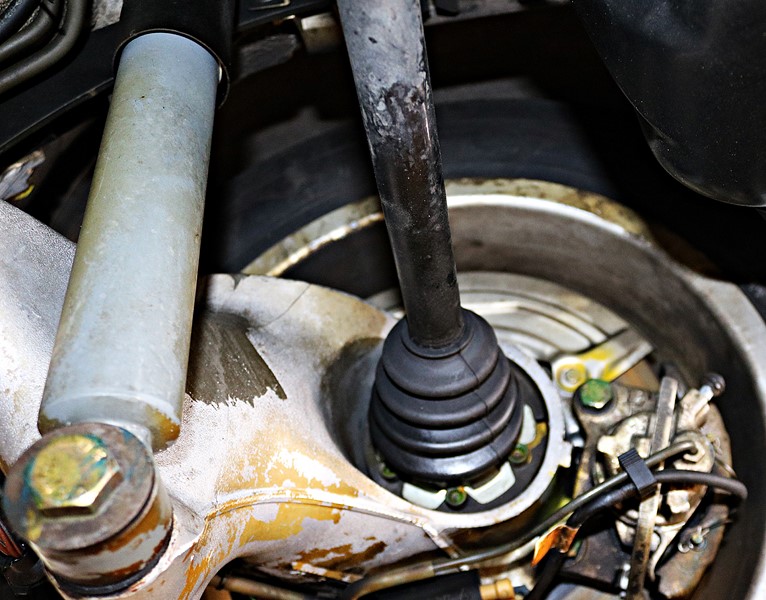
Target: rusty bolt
{"type": "Point", "coordinates": [520, 454]}
{"type": "Point", "coordinates": [73, 475]}
{"type": "Point", "coordinates": [595, 394]}
{"type": "Point", "coordinates": [456, 497]}
{"type": "Point", "coordinates": [715, 382]}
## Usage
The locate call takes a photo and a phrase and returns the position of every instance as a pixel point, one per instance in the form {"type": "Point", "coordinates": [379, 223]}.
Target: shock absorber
{"type": "Point", "coordinates": [87, 496]}
{"type": "Point", "coordinates": [446, 404]}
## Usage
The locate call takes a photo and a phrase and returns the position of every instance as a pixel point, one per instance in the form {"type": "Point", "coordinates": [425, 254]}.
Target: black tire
{"type": "Point", "coordinates": [600, 150]}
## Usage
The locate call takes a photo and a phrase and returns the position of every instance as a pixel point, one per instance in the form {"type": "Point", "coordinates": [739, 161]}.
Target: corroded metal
{"type": "Point", "coordinates": [663, 429]}
{"type": "Point", "coordinates": [87, 500]}
{"type": "Point", "coordinates": [606, 361]}
{"type": "Point", "coordinates": [342, 222]}
{"type": "Point", "coordinates": [257, 475]}
{"type": "Point", "coordinates": [72, 474]}
{"type": "Point", "coordinates": [629, 422]}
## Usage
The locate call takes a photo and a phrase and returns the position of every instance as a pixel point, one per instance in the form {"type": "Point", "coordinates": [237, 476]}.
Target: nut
{"type": "Point", "coordinates": [73, 475]}
{"type": "Point", "coordinates": [715, 382]}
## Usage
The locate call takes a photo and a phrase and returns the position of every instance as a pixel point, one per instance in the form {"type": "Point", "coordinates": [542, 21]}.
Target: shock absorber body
{"type": "Point", "coordinates": [87, 496]}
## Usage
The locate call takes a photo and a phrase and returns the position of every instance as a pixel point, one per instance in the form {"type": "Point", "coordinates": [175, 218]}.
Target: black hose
{"type": "Point", "coordinates": [14, 16]}
{"type": "Point", "coordinates": [426, 569]}
{"type": "Point", "coordinates": [74, 21]}
{"type": "Point", "coordinates": [555, 559]}
{"type": "Point", "coordinates": [34, 35]}
{"type": "Point", "coordinates": [616, 481]}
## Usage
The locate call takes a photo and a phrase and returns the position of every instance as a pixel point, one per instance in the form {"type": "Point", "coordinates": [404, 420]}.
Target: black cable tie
{"type": "Point", "coordinates": [639, 473]}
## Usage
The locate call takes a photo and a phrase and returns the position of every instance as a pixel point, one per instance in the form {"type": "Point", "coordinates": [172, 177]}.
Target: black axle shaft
{"type": "Point", "coordinates": [387, 51]}
{"type": "Point", "coordinates": [445, 409]}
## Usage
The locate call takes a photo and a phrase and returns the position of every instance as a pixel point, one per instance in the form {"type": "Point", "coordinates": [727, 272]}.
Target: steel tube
{"type": "Point", "coordinates": [122, 345]}
{"type": "Point", "coordinates": [388, 57]}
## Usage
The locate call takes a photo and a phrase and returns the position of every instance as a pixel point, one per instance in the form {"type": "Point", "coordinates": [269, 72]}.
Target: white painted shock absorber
{"type": "Point", "coordinates": [122, 345]}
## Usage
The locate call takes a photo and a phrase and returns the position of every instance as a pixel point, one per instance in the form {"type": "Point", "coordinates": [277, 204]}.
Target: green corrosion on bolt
{"type": "Point", "coordinates": [595, 394]}
{"type": "Point", "coordinates": [520, 454]}
{"type": "Point", "coordinates": [73, 474]}
{"type": "Point", "coordinates": [456, 496]}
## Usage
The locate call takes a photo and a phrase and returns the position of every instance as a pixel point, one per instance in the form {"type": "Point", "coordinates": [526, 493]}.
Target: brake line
{"type": "Point", "coordinates": [609, 499]}
{"type": "Point", "coordinates": [426, 569]}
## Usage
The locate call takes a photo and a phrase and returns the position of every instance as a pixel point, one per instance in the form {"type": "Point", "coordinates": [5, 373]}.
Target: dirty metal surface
{"type": "Point", "coordinates": [88, 539]}
{"type": "Point", "coordinates": [647, 511]}
{"type": "Point", "coordinates": [261, 476]}
{"type": "Point", "coordinates": [257, 470]}
{"type": "Point", "coordinates": [122, 344]}
{"type": "Point", "coordinates": [629, 421]}
{"type": "Point", "coordinates": [35, 263]}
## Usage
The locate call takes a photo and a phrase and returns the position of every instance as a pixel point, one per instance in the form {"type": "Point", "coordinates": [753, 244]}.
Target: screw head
{"type": "Point", "coordinates": [697, 539]}
{"type": "Point", "coordinates": [456, 497]}
{"type": "Point", "coordinates": [519, 455]}
{"type": "Point", "coordinates": [595, 394]}
{"type": "Point", "coordinates": [72, 475]}
{"type": "Point", "coordinates": [570, 375]}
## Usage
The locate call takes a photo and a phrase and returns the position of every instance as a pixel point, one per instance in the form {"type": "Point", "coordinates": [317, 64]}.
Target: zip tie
{"type": "Point", "coordinates": [640, 475]}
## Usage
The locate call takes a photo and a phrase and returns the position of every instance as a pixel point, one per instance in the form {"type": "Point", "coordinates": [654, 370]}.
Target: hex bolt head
{"type": "Point", "coordinates": [88, 499]}
{"type": "Point", "coordinates": [456, 497]}
{"type": "Point", "coordinates": [595, 394]}
{"type": "Point", "coordinates": [73, 475]}
{"type": "Point", "coordinates": [520, 454]}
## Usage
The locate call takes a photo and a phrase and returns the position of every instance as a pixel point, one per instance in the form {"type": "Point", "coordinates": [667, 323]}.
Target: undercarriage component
{"type": "Point", "coordinates": [87, 499]}
{"type": "Point", "coordinates": [469, 225]}
{"type": "Point", "coordinates": [647, 510]}
{"type": "Point", "coordinates": [446, 407]}
{"type": "Point", "coordinates": [264, 467]}
{"type": "Point", "coordinates": [486, 444]}
{"type": "Point", "coordinates": [122, 345]}
{"type": "Point", "coordinates": [659, 543]}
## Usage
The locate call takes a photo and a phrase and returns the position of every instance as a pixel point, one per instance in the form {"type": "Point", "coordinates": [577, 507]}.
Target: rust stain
{"type": "Point", "coordinates": [340, 561]}
{"type": "Point", "coordinates": [224, 535]}
{"type": "Point", "coordinates": [121, 574]}
{"type": "Point", "coordinates": [530, 188]}
{"type": "Point", "coordinates": [310, 569]}
{"type": "Point", "coordinates": [288, 522]}
{"type": "Point", "coordinates": [155, 518]}
{"type": "Point", "coordinates": [45, 424]}
{"type": "Point", "coordinates": [198, 570]}
{"type": "Point", "coordinates": [312, 556]}
{"type": "Point", "coordinates": [282, 465]}
{"type": "Point", "coordinates": [164, 430]}
{"type": "Point", "coordinates": [352, 561]}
